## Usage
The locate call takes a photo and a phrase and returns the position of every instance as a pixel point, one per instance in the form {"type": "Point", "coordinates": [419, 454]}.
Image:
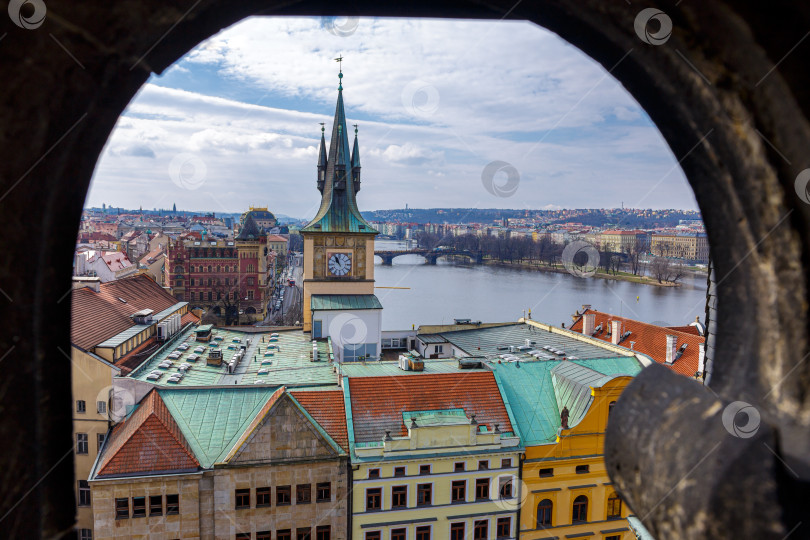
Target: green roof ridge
{"type": "Point", "coordinates": [191, 424]}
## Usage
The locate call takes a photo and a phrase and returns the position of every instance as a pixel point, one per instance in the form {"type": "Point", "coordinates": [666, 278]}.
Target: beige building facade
{"type": "Point", "coordinates": [278, 475]}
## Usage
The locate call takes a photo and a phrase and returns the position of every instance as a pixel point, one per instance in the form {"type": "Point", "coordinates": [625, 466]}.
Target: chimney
{"type": "Point", "coordinates": [615, 331]}
{"type": "Point", "coordinates": [93, 282]}
{"type": "Point", "coordinates": [701, 357]}
{"type": "Point", "coordinates": [632, 345]}
{"type": "Point", "coordinates": [588, 322]}
{"type": "Point", "coordinates": [672, 348]}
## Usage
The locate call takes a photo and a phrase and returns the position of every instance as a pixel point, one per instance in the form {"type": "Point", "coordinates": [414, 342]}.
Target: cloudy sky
{"type": "Point", "coordinates": [235, 122]}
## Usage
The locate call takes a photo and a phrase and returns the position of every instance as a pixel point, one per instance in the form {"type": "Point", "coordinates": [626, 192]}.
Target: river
{"type": "Point", "coordinates": [438, 294]}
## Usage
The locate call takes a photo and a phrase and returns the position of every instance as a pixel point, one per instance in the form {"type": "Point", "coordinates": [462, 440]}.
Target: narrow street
{"type": "Point", "coordinates": [287, 311]}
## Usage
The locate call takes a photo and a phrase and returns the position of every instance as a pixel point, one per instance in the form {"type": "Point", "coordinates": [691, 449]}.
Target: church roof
{"type": "Point", "coordinates": [249, 231]}
{"type": "Point", "coordinates": [338, 211]}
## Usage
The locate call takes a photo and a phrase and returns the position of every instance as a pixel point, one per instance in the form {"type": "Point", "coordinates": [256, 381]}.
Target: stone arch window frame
{"type": "Point", "coordinates": [717, 168]}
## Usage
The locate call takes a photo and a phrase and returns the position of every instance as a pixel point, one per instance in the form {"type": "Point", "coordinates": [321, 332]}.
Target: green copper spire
{"type": "Point", "coordinates": [338, 211]}
{"type": "Point", "coordinates": [356, 162]}
{"type": "Point", "coordinates": [322, 161]}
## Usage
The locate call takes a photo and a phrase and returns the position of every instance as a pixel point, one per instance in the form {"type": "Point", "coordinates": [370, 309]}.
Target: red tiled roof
{"type": "Point", "coordinates": [116, 260]}
{"type": "Point", "coordinates": [689, 329]}
{"type": "Point", "coordinates": [95, 236]}
{"type": "Point", "coordinates": [133, 358]}
{"type": "Point", "coordinates": [98, 316]}
{"type": "Point", "coordinates": [148, 441]}
{"type": "Point", "coordinates": [327, 408]}
{"type": "Point", "coordinates": [276, 238]}
{"type": "Point", "coordinates": [188, 317]}
{"type": "Point", "coordinates": [378, 402]}
{"type": "Point", "coordinates": [153, 255]}
{"type": "Point", "coordinates": [650, 340]}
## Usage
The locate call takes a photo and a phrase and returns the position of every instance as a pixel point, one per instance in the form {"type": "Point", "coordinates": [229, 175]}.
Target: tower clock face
{"type": "Point", "coordinates": [339, 264]}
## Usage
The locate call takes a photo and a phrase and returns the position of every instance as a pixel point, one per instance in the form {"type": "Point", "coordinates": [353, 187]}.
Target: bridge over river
{"type": "Point", "coordinates": [430, 255]}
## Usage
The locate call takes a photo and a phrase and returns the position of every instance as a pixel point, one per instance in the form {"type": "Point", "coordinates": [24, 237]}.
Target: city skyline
{"type": "Point", "coordinates": [230, 125]}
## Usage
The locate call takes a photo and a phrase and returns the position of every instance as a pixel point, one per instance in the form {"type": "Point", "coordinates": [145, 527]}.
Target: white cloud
{"type": "Point", "coordinates": [486, 91]}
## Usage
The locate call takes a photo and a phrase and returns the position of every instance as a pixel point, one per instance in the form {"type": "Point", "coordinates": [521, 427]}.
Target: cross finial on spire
{"type": "Point", "coordinates": [355, 128]}
{"type": "Point", "coordinates": [322, 128]}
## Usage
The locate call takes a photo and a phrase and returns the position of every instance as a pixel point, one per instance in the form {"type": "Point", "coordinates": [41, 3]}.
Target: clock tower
{"type": "Point", "coordinates": [339, 300]}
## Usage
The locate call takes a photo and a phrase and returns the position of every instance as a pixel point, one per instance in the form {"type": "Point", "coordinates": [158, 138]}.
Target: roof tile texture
{"type": "Point", "coordinates": [378, 402]}
{"type": "Point", "coordinates": [327, 408]}
{"type": "Point", "coordinates": [148, 441]}
{"type": "Point", "coordinates": [650, 340]}
{"type": "Point", "coordinates": [98, 316]}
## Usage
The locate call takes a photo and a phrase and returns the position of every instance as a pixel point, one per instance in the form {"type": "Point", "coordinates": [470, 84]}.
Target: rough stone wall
{"type": "Point", "coordinates": [227, 521]}
{"type": "Point", "coordinates": [186, 524]}
{"type": "Point", "coordinates": [730, 92]}
{"type": "Point", "coordinates": [285, 434]}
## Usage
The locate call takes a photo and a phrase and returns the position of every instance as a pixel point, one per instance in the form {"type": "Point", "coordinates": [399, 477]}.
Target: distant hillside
{"type": "Point", "coordinates": [624, 218]}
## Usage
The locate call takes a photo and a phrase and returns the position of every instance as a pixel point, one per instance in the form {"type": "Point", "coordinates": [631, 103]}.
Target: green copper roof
{"type": "Point", "coordinates": [212, 419]}
{"type": "Point", "coordinates": [328, 302]}
{"type": "Point", "coordinates": [441, 417]}
{"type": "Point", "coordinates": [537, 391]}
{"type": "Point", "coordinates": [338, 211]}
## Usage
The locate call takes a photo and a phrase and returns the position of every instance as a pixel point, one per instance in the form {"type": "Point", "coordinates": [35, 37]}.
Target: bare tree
{"type": "Point", "coordinates": [634, 258]}
{"type": "Point", "coordinates": [660, 269]}
{"type": "Point", "coordinates": [677, 271]}
{"type": "Point", "coordinates": [227, 296]}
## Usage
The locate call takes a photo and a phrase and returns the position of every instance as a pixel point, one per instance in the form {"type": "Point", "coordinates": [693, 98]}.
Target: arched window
{"type": "Point", "coordinates": [210, 296]}
{"type": "Point", "coordinates": [209, 268]}
{"type": "Point", "coordinates": [218, 268]}
{"type": "Point", "coordinates": [614, 507]}
{"type": "Point", "coordinates": [209, 282]}
{"type": "Point", "coordinates": [610, 408]}
{"type": "Point", "coordinates": [544, 513]}
{"type": "Point", "coordinates": [178, 269]}
{"type": "Point", "coordinates": [580, 510]}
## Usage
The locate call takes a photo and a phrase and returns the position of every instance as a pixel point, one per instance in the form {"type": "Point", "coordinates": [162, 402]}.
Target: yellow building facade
{"type": "Point", "coordinates": [91, 384]}
{"type": "Point", "coordinates": [569, 492]}
{"type": "Point", "coordinates": [470, 486]}
{"type": "Point", "coordinates": [437, 459]}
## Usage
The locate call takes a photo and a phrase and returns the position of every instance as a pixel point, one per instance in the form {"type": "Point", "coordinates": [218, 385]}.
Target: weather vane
{"type": "Point", "coordinates": [355, 128]}
{"type": "Point", "coordinates": [322, 124]}
{"type": "Point", "coordinates": [339, 60]}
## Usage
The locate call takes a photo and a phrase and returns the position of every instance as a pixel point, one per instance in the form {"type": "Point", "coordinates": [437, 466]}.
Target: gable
{"type": "Point", "coordinates": [149, 441]}
{"type": "Point", "coordinates": [283, 434]}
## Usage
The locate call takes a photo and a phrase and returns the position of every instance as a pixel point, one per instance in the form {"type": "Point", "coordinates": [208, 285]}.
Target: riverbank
{"type": "Point", "coordinates": [621, 276]}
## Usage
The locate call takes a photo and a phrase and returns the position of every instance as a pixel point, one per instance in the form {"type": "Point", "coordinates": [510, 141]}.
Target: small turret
{"type": "Point", "coordinates": [356, 162]}
{"type": "Point", "coordinates": [340, 161]}
{"type": "Point", "coordinates": [322, 161]}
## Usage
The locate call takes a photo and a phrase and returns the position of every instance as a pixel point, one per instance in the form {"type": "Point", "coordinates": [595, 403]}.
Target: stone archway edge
{"type": "Point", "coordinates": [728, 90]}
